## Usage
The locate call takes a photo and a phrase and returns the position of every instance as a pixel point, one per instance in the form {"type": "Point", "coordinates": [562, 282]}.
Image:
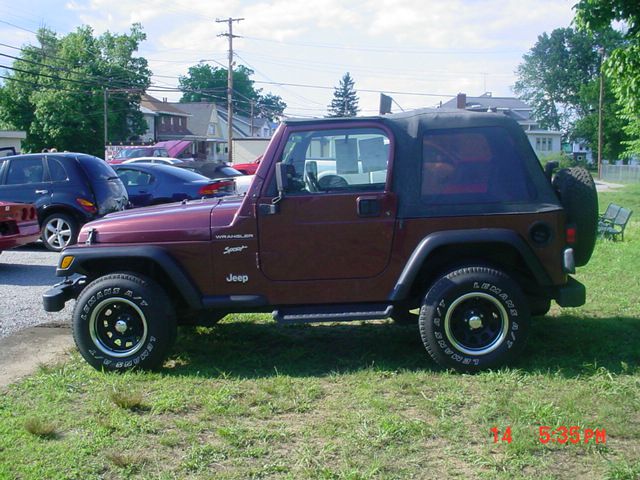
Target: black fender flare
{"type": "Point", "coordinates": [159, 256]}
{"type": "Point", "coordinates": [460, 237]}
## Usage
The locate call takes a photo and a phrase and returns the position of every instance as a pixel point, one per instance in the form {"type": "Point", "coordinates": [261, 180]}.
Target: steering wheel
{"type": "Point", "coordinates": [332, 182]}
{"type": "Point", "coordinates": [312, 181]}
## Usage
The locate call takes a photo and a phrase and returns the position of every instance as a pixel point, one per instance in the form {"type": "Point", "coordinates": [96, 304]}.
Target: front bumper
{"type": "Point", "coordinates": [571, 294]}
{"type": "Point", "coordinates": [55, 298]}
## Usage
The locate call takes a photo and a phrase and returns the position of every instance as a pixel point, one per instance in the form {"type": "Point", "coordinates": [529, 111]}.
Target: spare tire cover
{"type": "Point", "coordinates": [577, 192]}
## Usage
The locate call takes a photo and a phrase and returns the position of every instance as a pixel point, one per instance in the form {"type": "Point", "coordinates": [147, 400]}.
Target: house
{"type": "Point", "coordinates": [245, 127]}
{"type": "Point", "coordinates": [204, 124]}
{"type": "Point", "coordinates": [205, 130]}
{"type": "Point", "coordinates": [165, 121]}
{"type": "Point", "coordinates": [544, 142]}
{"type": "Point", "coordinates": [12, 138]}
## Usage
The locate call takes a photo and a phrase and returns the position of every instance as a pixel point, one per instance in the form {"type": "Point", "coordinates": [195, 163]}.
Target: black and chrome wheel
{"type": "Point", "coordinates": [474, 318]}
{"type": "Point", "coordinates": [122, 321]}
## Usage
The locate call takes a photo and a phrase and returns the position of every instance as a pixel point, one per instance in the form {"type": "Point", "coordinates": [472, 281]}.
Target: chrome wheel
{"type": "Point", "coordinates": [118, 327]}
{"type": "Point", "coordinates": [57, 232]}
{"type": "Point", "coordinates": [476, 323]}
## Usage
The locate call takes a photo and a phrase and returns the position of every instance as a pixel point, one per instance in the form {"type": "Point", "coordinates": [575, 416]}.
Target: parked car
{"type": "Point", "coordinates": [250, 167]}
{"type": "Point", "coordinates": [216, 170]}
{"type": "Point", "coordinates": [18, 225]}
{"type": "Point", "coordinates": [127, 153]}
{"type": "Point", "coordinates": [152, 184]}
{"type": "Point", "coordinates": [161, 160]}
{"type": "Point", "coordinates": [68, 190]}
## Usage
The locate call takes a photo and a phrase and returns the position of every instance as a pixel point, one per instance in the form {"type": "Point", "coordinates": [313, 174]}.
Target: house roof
{"type": "Point", "coordinates": [240, 125]}
{"type": "Point", "coordinates": [200, 116]}
{"type": "Point", "coordinates": [158, 106]}
{"type": "Point", "coordinates": [488, 101]}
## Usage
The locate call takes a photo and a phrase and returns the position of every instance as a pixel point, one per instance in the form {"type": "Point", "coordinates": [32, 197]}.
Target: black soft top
{"type": "Point", "coordinates": [410, 127]}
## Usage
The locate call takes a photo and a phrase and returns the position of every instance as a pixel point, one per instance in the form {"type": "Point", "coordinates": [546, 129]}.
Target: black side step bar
{"type": "Point", "coordinates": [333, 313]}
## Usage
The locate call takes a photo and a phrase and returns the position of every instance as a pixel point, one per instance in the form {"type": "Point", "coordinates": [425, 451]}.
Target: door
{"type": "Point", "coordinates": [336, 219]}
{"type": "Point", "coordinates": [22, 179]}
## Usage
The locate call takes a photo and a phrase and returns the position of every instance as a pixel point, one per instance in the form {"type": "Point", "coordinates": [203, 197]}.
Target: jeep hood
{"type": "Point", "coordinates": [174, 222]}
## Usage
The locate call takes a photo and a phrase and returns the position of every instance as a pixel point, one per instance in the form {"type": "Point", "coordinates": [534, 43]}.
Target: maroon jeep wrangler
{"type": "Point", "coordinates": [347, 219]}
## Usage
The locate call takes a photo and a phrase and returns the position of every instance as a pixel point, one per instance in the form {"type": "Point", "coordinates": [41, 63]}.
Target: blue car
{"type": "Point", "coordinates": [152, 184]}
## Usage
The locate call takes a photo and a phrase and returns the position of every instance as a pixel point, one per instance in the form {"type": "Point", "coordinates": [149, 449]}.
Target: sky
{"type": "Point", "coordinates": [420, 52]}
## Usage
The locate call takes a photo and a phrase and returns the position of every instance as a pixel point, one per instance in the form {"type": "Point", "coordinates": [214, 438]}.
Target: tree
{"type": "Point", "coordinates": [622, 66]}
{"type": "Point", "coordinates": [206, 83]}
{"type": "Point", "coordinates": [55, 91]}
{"type": "Point", "coordinates": [559, 78]}
{"type": "Point", "coordinates": [345, 99]}
{"type": "Point", "coordinates": [271, 107]}
{"type": "Point", "coordinates": [586, 127]}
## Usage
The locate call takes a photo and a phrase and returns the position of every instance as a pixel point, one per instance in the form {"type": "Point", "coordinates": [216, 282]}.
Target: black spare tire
{"type": "Point", "coordinates": [577, 192]}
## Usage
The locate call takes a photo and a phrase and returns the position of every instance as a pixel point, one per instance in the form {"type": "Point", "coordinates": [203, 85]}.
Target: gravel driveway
{"type": "Point", "coordinates": [25, 274]}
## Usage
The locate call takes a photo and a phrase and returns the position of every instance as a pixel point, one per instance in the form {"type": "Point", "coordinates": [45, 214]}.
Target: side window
{"type": "Point", "coordinates": [337, 160]}
{"type": "Point", "coordinates": [25, 171]}
{"type": "Point", "coordinates": [134, 178]}
{"type": "Point", "coordinates": [474, 165]}
{"type": "Point", "coordinates": [56, 170]}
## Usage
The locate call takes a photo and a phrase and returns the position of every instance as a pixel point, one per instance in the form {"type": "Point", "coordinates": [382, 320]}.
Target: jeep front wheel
{"type": "Point", "coordinates": [474, 318]}
{"type": "Point", "coordinates": [123, 321]}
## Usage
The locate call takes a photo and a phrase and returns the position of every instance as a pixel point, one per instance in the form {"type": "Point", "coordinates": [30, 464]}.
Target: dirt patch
{"type": "Point", "coordinates": [22, 352]}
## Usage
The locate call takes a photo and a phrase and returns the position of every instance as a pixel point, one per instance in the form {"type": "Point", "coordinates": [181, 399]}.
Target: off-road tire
{"type": "Point", "coordinates": [577, 192]}
{"type": "Point", "coordinates": [474, 318]}
{"type": "Point", "coordinates": [58, 231]}
{"type": "Point", "coordinates": [128, 308]}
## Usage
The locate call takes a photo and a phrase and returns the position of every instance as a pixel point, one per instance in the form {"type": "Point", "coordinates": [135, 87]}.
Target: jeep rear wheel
{"type": "Point", "coordinates": [123, 321]}
{"type": "Point", "coordinates": [577, 192]}
{"type": "Point", "coordinates": [474, 318]}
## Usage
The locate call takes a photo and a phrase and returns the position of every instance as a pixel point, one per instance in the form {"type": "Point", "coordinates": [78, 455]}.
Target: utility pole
{"type": "Point", "coordinates": [229, 21]}
{"type": "Point", "coordinates": [600, 104]}
{"type": "Point", "coordinates": [251, 128]}
{"type": "Point", "coordinates": [105, 95]}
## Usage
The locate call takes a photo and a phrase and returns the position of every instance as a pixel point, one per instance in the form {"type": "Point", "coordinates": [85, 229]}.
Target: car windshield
{"type": "Point", "coordinates": [142, 152]}
{"type": "Point", "coordinates": [228, 172]}
{"type": "Point", "coordinates": [181, 173]}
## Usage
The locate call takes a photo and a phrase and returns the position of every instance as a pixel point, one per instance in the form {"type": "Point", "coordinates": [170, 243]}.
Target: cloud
{"type": "Point", "coordinates": [402, 45]}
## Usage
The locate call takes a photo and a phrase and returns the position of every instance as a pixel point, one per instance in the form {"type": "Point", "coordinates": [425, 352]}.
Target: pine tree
{"type": "Point", "coordinates": [345, 99]}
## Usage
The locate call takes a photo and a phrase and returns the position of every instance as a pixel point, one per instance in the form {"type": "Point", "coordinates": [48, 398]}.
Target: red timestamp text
{"type": "Point", "coordinates": [560, 435]}
{"type": "Point", "coordinates": [573, 434]}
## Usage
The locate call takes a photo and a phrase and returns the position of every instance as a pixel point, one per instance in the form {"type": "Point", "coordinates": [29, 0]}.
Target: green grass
{"type": "Point", "coordinates": [249, 399]}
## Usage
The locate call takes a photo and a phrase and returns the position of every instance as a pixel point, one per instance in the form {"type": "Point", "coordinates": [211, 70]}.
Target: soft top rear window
{"type": "Point", "coordinates": [472, 166]}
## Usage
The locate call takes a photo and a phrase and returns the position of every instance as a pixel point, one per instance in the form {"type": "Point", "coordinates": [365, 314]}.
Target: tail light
{"type": "Point", "coordinates": [226, 186]}
{"type": "Point", "coordinates": [86, 205]}
{"type": "Point", "coordinates": [571, 234]}
{"type": "Point", "coordinates": [25, 214]}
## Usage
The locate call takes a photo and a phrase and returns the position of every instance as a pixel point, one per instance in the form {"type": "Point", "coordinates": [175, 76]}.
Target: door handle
{"type": "Point", "coordinates": [42, 192]}
{"type": "Point", "coordinates": [368, 206]}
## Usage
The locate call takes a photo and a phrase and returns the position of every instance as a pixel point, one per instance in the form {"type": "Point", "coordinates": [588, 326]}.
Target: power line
{"type": "Point", "coordinates": [392, 50]}
{"type": "Point", "coordinates": [421, 94]}
{"type": "Point", "coordinates": [18, 27]}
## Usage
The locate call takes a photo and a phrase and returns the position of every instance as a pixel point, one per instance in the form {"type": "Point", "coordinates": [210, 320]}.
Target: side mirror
{"type": "Point", "coordinates": [549, 168]}
{"type": "Point", "coordinates": [282, 180]}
